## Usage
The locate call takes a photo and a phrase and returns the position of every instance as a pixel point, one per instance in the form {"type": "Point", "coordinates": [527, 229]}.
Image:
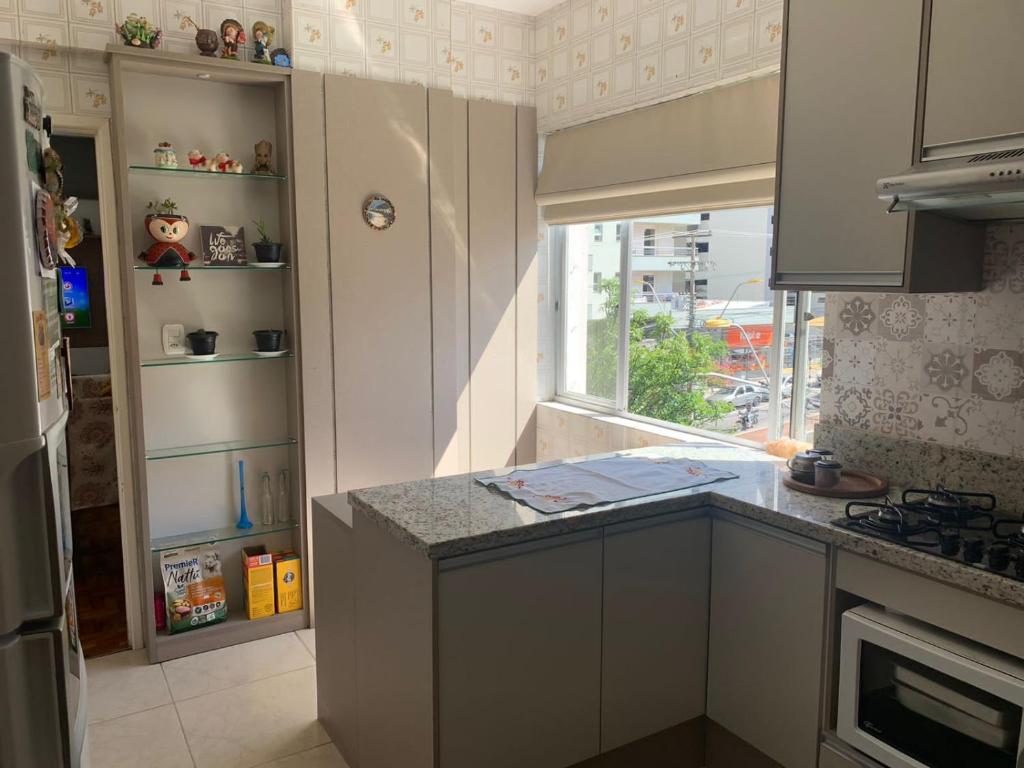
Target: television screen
{"type": "Point", "coordinates": [74, 298]}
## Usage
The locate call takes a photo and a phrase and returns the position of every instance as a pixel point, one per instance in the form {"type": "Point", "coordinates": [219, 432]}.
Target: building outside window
{"type": "Point", "coordinates": [598, 233]}
{"type": "Point", "coordinates": [618, 233]}
{"type": "Point", "coordinates": [691, 336]}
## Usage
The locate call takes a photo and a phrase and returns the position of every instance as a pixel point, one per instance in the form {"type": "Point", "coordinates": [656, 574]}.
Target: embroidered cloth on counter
{"type": "Point", "coordinates": [601, 481]}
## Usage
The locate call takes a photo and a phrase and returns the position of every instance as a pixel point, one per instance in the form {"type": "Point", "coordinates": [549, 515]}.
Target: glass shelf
{"type": "Point", "coordinates": [279, 267]}
{"type": "Point", "coordinates": [207, 174]}
{"type": "Point", "coordinates": [161, 362]}
{"type": "Point", "coordinates": [214, 535]}
{"type": "Point", "coordinates": [206, 449]}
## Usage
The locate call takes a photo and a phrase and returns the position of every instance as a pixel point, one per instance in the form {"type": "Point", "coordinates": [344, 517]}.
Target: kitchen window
{"type": "Point", "coordinates": [691, 336]}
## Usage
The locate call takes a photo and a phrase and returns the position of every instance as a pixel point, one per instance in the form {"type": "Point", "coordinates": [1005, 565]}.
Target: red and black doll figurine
{"type": "Point", "coordinates": [168, 229]}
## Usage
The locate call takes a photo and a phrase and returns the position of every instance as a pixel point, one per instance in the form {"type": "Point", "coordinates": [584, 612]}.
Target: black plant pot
{"type": "Point", "coordinates": [203, 342]}
{"type": "Point", "coordinates": [267, 252]}
{"type": "Point", "coordinates": [268, 340]}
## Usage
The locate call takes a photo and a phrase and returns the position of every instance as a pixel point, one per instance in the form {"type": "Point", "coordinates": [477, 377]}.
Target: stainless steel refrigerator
{"type": "Point", "coordinates": [42, 669]}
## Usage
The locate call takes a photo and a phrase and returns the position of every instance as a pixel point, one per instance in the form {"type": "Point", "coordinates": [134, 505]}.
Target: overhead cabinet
{"type": "Point", "coordinates": [850, 115]}
{"type": "Point", "coordinates": [973, 83]}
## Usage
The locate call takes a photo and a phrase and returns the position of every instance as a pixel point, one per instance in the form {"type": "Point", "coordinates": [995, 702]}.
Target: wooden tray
{"type": "Point", "coordinates": [853, 485]}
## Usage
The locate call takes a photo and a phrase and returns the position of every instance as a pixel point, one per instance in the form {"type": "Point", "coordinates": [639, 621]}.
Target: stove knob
{"type": "Point", "coordinates": [949, 541]}
{"type": "Point", "coordinates": [998, 557]}
{"type": "Point", "coordinates": [974, 550]}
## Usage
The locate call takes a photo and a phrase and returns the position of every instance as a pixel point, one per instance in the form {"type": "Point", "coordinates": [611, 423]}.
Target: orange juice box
{"type": "Point", "coordinates": [288, 581]}
{"type": "Point", "coordinates": [258, 580]}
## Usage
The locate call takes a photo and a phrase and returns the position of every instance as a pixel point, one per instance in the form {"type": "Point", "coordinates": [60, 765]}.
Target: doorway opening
{"type": "Point", "coordinates": [92, 433]}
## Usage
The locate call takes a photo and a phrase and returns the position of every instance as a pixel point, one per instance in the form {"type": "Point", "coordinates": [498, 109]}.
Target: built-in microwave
{"type": "Point", "coordinates": [914, 696]}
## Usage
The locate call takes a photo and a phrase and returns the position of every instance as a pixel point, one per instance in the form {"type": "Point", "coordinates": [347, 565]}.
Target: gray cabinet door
{"type": "Point", "coordinates": [974, 71]}
{"type": "Point", "coordinates": [848, 118]}
{"type": "Point", "coordinates": [766, 638]}
{"type": "Point", "coordinates": [519, 655]}
{"type": "Point", "coordinates": [654, 659]}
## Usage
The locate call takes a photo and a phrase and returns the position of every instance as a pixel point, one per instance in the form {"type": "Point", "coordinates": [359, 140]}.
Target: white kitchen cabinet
{"type": "Point", "coordinates": [524, 620]}
{"type": "Point", "coordinates": [766, 636]}
{"type": "Point", "coordinates": [974, 71]}
{"type": "Point", "coordinates": [849, 117]}
{"type": "Point", "coordinates": [654, 659]}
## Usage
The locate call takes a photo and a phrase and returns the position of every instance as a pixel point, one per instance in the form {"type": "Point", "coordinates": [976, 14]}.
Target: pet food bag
{"type": "Point", "coordinates": [193, 587]}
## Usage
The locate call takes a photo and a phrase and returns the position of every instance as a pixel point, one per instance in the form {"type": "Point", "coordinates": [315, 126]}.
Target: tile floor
{"type": "Point", "coordinates": [240, 707]}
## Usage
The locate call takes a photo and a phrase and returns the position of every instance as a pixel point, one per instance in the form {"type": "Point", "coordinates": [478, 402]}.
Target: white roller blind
{"type": "Point", "coordinates": [719, 144]}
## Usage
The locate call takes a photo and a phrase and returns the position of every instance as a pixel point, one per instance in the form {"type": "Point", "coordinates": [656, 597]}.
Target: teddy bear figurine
{"type": "Point", "coordinates": [197, 160]}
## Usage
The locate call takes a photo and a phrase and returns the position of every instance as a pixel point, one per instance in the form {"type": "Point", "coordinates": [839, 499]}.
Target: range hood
{"type": "Point", "coordinates": [985, 186]}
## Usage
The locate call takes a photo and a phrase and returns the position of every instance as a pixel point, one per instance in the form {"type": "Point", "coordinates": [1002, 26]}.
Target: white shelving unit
{"type": "Point", "coordinates": [193, 420]}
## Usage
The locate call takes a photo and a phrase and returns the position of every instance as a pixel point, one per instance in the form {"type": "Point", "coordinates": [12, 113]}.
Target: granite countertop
{"type": "Point", "coordinates": [450, 516]}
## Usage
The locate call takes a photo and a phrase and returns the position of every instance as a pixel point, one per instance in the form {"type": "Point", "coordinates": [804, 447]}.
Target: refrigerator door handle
{"type": "Point", "coordinates": [65, 357]}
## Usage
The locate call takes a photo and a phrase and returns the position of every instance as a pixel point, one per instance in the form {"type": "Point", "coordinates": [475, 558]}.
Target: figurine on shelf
{"type": "Point", "coordinates": [222, 163]}
{"type": "Point", "coordinates": [232, 35]}
{"type": "Point", "coordinates": [263, 151]}
{"type": "Point", "coordinates": [137, 32]}
{"type": "Point", "coordinates": [197, 161]}
{"type": "Point", "coordinates": [168, 229]}
{"type": "Point", "coordinates": [164, 157]}
{"type": "Point", "coordinates": [262, 38]}
{"type": "Point", "coordinates": [279, 57]}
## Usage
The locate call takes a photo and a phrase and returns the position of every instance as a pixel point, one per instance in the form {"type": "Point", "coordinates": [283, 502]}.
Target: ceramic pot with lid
{"type": "Point", "coordinates": [801, 466]}
{"type": "Point", "coordinates": [827, 473]}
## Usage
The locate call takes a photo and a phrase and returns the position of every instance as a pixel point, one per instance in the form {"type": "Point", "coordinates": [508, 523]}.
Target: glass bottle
{"type": "Point", "coordinates": [266, 500]}
{"type": "Point", "coordinates": [284, 507]}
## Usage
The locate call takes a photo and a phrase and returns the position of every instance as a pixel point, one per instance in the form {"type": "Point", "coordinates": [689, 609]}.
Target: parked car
{"type": "Point", "coordinates": [740, 396]}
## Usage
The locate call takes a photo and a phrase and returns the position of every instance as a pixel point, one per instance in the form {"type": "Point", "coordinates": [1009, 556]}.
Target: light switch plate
{"type": "Point", "coordinates": [174, 339]}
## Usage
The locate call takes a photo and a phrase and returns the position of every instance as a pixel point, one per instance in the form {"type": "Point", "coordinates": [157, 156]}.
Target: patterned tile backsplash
{"type": "Point", "coordinates": [578, 61]}
{"type": "Point", "coordinates": [943, 368]}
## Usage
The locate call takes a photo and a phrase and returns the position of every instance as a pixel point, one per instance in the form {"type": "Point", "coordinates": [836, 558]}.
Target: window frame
{"type": "Point", "coordinates": [776, 410]}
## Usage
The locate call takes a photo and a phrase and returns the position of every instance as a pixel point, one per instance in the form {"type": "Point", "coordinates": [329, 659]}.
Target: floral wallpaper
{"type": "Point", "coordinates": [475, 51]}
{"type": "Point", "coordinates": [599, 57]}
{"type": "Point", "coordinates": [944, 368]}
{"type": "Point", "coordinates": [63, 39]}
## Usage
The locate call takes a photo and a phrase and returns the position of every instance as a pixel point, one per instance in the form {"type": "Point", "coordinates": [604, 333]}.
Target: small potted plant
{"type": "Point", "coordinates": [207, 40]}
{"type": "Point", "coordinates": [267, 251]}
{"type": "Point", "coordinates": [168, 228]}
{"type": "Point", "coordinates": [137, 32]}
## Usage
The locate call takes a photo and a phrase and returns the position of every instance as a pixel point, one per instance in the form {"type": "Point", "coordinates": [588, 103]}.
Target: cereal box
{"type": "Point", "coordinates": [258, 578]}
{"type": "Point", "coordinates": [193, 587]}
{"type": "Point", "coordinates": [288, 582]}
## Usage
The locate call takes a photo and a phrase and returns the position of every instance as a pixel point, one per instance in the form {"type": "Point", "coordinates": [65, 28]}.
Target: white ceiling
{"type": "Point", "coordinates": [529, 7]}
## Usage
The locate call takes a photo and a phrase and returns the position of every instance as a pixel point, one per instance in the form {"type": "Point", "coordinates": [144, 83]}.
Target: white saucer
{"type": "Point", "coordinates": [268, 264]}
{"type": "Point", "coordinates": [277, 353]}
{"type": "Point", "coordinates": [202, 357]}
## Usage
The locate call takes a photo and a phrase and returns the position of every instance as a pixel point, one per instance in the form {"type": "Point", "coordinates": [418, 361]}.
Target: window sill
{"type": "Point", "coordinates": [565, 430]}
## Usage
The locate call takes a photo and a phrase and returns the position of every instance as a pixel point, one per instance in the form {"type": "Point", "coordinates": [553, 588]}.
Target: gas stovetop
{"type": "Point", "coordinates": [955, 525]}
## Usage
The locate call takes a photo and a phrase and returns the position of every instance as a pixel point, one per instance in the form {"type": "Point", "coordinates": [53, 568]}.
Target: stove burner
{"type": "Point", "coordinates": [960, 508]}
{"type": "Point", "coordinates": [884, 518]}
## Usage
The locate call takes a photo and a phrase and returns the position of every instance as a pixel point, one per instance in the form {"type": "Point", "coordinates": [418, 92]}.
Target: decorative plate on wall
{"type": "Point", "coordinates": [378, 212]}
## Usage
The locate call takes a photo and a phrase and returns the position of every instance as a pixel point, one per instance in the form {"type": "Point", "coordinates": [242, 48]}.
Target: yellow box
{"type": "Point", "coordinates": [258, 580]}
{"type": "Point", "coordinates": [288, 581]}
